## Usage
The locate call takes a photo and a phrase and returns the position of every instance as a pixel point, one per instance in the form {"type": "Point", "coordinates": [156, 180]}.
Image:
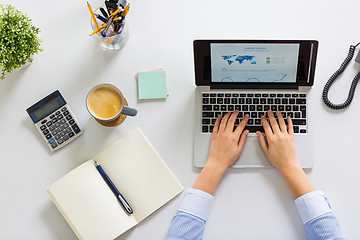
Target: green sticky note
{"type": "Point", "coordinates": [152, 85]}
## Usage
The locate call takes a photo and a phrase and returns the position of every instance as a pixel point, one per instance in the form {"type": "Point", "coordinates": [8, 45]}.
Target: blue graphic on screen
{"type": "Point", "coordinates": [254, 63]}
{"type": "Point", "coordinates": [230, 59]}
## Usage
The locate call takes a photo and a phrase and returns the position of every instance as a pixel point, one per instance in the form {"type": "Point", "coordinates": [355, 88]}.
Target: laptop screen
{"type": "Point", "coordinates": [254, 63]}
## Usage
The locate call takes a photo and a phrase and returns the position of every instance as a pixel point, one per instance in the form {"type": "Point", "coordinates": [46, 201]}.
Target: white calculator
{"type": "Point", "coordinates": [55, 121]}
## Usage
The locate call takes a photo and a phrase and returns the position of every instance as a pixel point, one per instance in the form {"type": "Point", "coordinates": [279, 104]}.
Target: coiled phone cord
{"type": "Point", "coordinates": [335, 76]}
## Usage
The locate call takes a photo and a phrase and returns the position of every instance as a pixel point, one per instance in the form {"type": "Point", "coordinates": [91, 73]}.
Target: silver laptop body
{"type": "Point", "coordinates": [251, 96]}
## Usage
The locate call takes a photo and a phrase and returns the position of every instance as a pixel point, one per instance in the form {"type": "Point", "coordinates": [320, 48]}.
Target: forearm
{"type": "Point", "coordinates": [317, 216]}
{"type": "Point", "coordinates": [190, 219]}
{"type": "Point", "coordinates": [210, 177]}
{"type": "Point", "coordinates": [297, 180]}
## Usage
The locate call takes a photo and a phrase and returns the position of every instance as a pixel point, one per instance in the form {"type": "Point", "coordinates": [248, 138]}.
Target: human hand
{"type": "Point", "coordinates": [279, 148]}
{"type": "Point", "coordinates": [225, 148]}
{"type": "Point", "coordinates": [279, 145]}
{"type": "Point", "coordinates": [227, 145]}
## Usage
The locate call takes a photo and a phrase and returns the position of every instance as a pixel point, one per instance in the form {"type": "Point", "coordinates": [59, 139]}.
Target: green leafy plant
{"type": "Point", "coordinates": [18, 39]}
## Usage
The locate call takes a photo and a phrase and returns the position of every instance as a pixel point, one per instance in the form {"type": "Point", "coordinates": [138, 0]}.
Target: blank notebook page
{"type": "Point", "coordinates": [82, 195]}
{"type": "Point", "coordinates": [139, 173]}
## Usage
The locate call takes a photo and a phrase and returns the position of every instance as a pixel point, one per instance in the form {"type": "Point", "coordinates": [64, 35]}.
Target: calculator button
{"type": "Point", "coordinates": [60, 117]}
{"type": "Point", "coordinates": [46, 132]}
{"type": "Point", "coordinates": [62, 134]}
{"type": "Point", "coordinates": [68, 130]}
{"type": "Point", "coordinates": [54, 145]}
{"type": "Point", "coordinates": [66, 113]}
{"type": "Point", "coordinates": [52, 128]}
{"type": "Point", "coordinates": [57, 124]}
{"type": "Point", "coordinates": [66, 125]}
{"type": "Point", "coordinates": [43, 127]}
{"type": "Point", "coordinates": [43, 121]}
{"type": "Point", "coordinates": [62, 121]}
{"type": "Point", "coordinates": [49, 123]}
{"type": "Point", "coordinates": [68, 117]}
{"type": "Point", "coordinates": [57, 113]}
{"type": "Point", "coordinates": [66, 137]}
{"type": "Point", "coordinates": [60, 128]}
{"type": "Point", "coordinates": [51, 140]}
{"type": "Point", "coordinates": [54, 120]}
{"type": "Point", "coordinates": [55, 132]}
{"type": "Point", "coordinates": [60, 141]}
{"type": "Point", "coordinates": [57, 137]}
{"type": "Point", "coordinates": [48, 136]}
{"type": "Point", "coordinates": [71, 134]}
{"type": "Point", "coordinates": [72, 121]}
{"type": "Point", "coordinates": [63, 109]}
{"type": "Point", "coordinates": [75, 128]}
{"type": "Point", "coordinates": [52, 116]}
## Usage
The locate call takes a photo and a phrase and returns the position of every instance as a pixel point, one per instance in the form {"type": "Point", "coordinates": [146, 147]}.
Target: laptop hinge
{"type": "Point", "coordinates": [254, 86]}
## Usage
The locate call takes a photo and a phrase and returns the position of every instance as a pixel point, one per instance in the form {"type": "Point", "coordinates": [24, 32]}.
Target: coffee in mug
{"type": "Point", "coordinates": [105, 102]}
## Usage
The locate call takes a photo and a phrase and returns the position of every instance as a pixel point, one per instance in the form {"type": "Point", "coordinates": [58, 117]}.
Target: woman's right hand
{"type": "Point", "coordinates": [279, 148]}
{"type": "Point", "coordinates": [279, 145]}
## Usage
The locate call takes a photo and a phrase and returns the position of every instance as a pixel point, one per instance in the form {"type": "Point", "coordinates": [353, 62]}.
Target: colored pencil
{"type": "Point", "coordinates": [93, 17]}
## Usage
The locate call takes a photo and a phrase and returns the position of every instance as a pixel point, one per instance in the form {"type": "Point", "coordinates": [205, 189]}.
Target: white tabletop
{"type": "Point", "coordinates": [249, 204]}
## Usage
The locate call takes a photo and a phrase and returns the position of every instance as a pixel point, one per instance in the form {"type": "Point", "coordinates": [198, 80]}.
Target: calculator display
{"type": "Point", "coordinates": [48, 108]}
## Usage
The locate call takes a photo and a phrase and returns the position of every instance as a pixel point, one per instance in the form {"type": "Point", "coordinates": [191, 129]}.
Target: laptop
{"type": "Point", "coordinates": [253, 76]}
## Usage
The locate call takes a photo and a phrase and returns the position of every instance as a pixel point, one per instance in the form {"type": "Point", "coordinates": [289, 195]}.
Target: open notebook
{"type": "Point", "coordinates": [139, 173]}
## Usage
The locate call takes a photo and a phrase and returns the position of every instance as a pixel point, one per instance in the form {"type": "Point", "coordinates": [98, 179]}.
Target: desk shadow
{"type": "Point", "coordinates": [56, 222]}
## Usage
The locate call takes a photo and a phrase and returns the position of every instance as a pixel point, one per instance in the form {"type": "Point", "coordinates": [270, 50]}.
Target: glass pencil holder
{"type": "Point", "coordinates": [113, 40]}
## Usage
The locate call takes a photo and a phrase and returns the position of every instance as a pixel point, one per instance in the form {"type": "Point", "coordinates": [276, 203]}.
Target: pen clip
{"type": "Point", "coordinates": [125, 204]}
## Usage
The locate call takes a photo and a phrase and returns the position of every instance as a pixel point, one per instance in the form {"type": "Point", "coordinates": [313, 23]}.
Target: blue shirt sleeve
{"type": "Point", "coordinates": [190, 219]}
{"type": "Point", "coordinates": [317, 216]}
{"type": "Point", "coordinates": [314, 209]}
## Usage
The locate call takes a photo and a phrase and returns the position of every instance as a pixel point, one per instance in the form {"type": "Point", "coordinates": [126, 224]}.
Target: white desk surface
{"type": "Point", "coordinates": [249, 204]}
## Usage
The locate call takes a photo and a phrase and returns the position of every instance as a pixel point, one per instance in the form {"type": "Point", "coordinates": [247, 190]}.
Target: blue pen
{"type": "Point", "coordinates": [101, 18]}
{"type": "Point", "coordinates": [113, 188]}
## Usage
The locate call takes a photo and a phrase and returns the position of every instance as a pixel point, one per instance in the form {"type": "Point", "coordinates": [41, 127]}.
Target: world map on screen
{"type": "Point", "coordinates": [230, 59]}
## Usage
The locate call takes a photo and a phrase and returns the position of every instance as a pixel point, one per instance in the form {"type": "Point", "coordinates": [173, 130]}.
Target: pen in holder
{"type": "Point", "coordinates": [111, 36]}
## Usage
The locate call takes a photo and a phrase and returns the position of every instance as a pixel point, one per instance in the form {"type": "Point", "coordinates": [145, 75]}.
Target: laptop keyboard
{"type": "Point", "coordinates": [256, 105]}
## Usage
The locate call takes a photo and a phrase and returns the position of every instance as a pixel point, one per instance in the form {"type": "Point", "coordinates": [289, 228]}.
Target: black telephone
{"type": "Point", "coordinates": [336, 75]}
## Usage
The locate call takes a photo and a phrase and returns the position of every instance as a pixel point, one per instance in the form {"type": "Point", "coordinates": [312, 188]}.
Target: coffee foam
{"type": "Point", "coordinates": [105, 102]}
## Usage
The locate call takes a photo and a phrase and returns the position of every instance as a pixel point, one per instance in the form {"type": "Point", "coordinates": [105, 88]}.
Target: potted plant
{"type": "Point", "coordinates": [18, 39]}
